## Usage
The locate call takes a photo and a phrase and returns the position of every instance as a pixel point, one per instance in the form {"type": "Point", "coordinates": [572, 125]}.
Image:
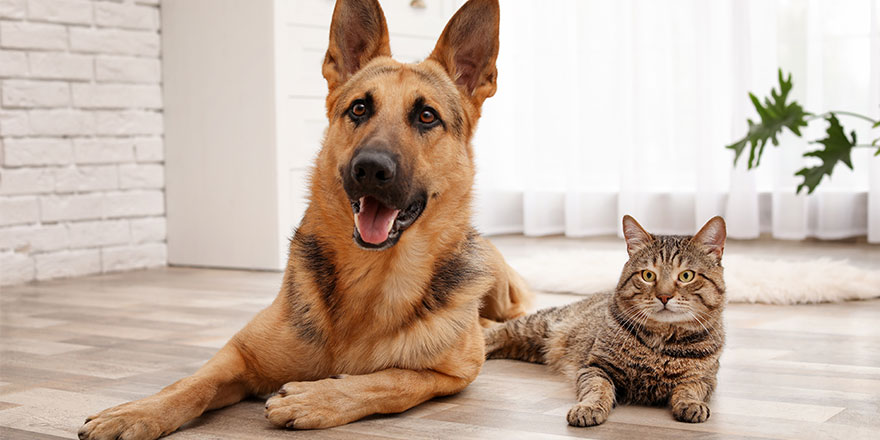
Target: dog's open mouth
{"type": "Point", "coordinates": [378, 226]}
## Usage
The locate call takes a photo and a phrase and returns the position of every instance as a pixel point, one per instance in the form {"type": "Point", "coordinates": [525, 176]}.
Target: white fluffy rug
{"type": "Point", "coordinates": [748, 279]}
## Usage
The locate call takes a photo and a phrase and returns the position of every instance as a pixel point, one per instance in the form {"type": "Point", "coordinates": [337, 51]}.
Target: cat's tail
{"type": "Point", "coordinates": [522, 338]}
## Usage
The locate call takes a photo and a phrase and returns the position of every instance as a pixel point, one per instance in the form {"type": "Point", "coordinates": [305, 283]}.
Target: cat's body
{"type": "Point", "coordinates": [644, 366]}
{"type": "Point", "coordinates": [655, 340]}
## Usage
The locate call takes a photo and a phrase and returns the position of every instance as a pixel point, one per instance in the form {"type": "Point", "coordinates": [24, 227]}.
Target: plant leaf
{"type": "Point", "coordinates": [776, 114]}
{"type": "Point", "coordinates": [837, 149]}
{"type": "Point", "coordinates": [877, 124]}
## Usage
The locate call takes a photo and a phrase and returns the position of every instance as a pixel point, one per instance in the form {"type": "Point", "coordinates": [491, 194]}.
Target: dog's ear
{"type": "Point", "coordinates": [468, 47]}
{"type": "Point", "coordinates": [358, 34]}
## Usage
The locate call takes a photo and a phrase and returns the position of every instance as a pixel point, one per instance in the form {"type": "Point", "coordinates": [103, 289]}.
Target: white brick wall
{"type": "Point", "coordinates": [58, 65]}
{"type": "Point", "coordinates": [22, 35]}
{"type": "Point", "coordinates": [13, 8]}
{"type": "Point", "coordinates": [61, 11]}
{"type": "Point", "coordinates": [37, 151]}
{"type": "Point", "coordinates": [126, 15]}
{"type": "Point", "coordinates": [81, 151]}
{"type": "Point", "coordinates": [114, 41]}
{"type": "Point", "coordinates": [19, 210]}
{"type": "Point", "coordinates": [125, 69]}
{"type": "Point", "coordinates": [13, 63]}
{"type": "Point", "coordinates": [35, 94]}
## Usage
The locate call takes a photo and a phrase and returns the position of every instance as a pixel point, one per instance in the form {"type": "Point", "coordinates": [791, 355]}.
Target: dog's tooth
{"type": "Point", "coordinates": [357, 215]}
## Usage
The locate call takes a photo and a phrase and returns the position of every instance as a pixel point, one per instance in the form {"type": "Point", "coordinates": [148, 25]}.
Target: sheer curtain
{"type": "Point", "coordinates": [612, 107]}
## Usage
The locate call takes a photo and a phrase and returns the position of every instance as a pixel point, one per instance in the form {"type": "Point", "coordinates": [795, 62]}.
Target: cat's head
{"type": "Point", "coordinates": [672, 278]}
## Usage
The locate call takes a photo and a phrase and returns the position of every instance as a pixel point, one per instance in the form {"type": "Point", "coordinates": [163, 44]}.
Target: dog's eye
{"type": "Point", "coordinates": [427, 116]}
{"type": "Point", "coordinates": [358, 109]}
{"type": "Point", "coordinates": [424, 118]}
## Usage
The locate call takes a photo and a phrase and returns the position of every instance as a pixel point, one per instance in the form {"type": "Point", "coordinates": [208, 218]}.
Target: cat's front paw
{"type": "Point", "coordinates": [691, 411]}
{"type": "Point", "coordinates": [587, 415]}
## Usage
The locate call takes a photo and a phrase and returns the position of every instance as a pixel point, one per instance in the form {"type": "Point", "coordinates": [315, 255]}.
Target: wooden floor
{"type": "Point", "coordinates": [70, 348]}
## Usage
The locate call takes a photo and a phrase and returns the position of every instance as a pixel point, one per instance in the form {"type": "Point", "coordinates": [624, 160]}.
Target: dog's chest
{"type": "Point", "coordinates": [408, 320]}
{"type": "Point", "coordinates": [413, 345]}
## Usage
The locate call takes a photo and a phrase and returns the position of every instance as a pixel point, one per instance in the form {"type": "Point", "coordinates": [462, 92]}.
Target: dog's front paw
{"type": "Point", "coordinates": [312, 405]}
{"type": "Point", "coordinates": [584, 414]}
{"type": "Point", "coordinates": [137, 420]}
{"type": "Point", "coordinates": [691, 411]}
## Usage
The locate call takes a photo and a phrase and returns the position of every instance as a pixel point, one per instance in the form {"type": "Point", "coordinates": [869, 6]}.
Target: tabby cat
{"type": "Point", "coordinates": [655, 340]}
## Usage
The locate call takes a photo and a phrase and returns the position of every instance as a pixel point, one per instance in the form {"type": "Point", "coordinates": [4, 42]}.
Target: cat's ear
{"type": "Point", "coordinates": [636, 236]}
{"type": "Point", "coordinates": [358, 34]}
{"type": "Point", "coordinates": [712, 236]}
{"type": "Point", "coordinates": [468, 47]}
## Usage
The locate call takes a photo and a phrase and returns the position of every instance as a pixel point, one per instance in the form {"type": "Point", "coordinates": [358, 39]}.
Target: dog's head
{"type": "Point", "coordinates": [397, 150]}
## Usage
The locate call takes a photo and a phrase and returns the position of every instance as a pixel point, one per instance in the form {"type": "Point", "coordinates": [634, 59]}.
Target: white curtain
{"type": "Point", "coordinates": [612, 107]}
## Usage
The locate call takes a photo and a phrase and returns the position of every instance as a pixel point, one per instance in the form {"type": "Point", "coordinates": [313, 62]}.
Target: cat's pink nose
{"type": "Point", "coordinates": [664, 298]}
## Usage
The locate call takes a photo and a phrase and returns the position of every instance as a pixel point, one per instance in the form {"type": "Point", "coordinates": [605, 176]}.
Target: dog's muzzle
{"type": "Point", "coordinates": [381, 196]}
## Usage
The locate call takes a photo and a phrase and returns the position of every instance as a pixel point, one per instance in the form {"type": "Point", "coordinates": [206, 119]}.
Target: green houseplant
{"type": "Point", "coordinates": [778, 114]}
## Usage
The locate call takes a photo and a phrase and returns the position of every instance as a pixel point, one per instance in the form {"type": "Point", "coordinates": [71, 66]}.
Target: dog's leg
{"type": "Point", "coordinates": [510, 297]}
{"type": "Point", "coordinates": [217, 384]}
{"type": "Point", "coordinates": [332, 402]}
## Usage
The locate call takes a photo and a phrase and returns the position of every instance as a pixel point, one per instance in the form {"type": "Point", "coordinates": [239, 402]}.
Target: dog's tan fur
{"type": "Point", "coordinates": [401, 325]}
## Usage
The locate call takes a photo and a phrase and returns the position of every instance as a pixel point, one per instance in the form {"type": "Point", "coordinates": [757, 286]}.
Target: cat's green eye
{"type": "Point", "coordinates": [686, 276]}
{"type": "Point", "coordinates": [649, 276]}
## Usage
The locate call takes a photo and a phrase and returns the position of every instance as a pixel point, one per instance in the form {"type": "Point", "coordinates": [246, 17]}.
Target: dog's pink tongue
{"type": "Point", "coordinates": [374, 220]}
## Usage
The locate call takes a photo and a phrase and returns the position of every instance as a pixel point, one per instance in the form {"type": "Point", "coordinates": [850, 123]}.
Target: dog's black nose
{"type": "Point", "coordinates": [373, 168]}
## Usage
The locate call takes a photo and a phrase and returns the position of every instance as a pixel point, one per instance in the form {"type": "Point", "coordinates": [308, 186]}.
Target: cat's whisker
{"type": "Point", "coordinates": [623, 338]}
{"type": "Point", "coordinates": [645, 319]}
{"type": "Point", "coordinates": [712, 334]}
{"type": "Point", "coordinates": [698, 321]}
{"type": "Point", "coordinates": [707, 318]}
{"type": "Point", "coordinates": [629, 316]}
{"type": "Point", "coordinates": [715, 332]}
{"type": "Point", "coordinates": [636, 321]}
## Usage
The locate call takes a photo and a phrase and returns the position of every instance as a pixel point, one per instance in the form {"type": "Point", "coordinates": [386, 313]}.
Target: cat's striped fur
{"type": "Point", "coordinates": [654, 340]}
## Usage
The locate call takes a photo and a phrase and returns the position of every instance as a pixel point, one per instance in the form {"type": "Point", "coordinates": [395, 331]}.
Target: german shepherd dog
{"type": "Point", "coordinates": [381, 302]}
